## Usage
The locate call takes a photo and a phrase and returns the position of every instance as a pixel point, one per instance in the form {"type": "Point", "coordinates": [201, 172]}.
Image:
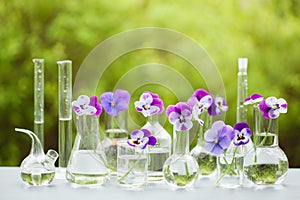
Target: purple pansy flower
{"type": "Point", "coordinates": [141, 138]}
{"type": "Point", "coordinates": [200, 101]}
{"type": "Point", "coordinates": [272, 107]}
{"type": "Point", "coordinates": [219, 104]}
{"type": "Point", "coordinates": [85, 105]}
{"type": "Point", "coordinates": [113, 103]}
{"type": "Point", "coordinates": [180, 116]}
{"type": "Point", "coordinates": [242, 133]}
{"type": "Point", "coordinates": [254, 98]}
{"type": "Point", "coordinates": [218, 137]}
{"type": "Point", "coordinates": [149, 104]}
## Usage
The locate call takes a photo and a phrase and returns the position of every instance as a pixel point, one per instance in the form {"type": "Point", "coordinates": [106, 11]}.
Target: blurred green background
{"type": "Point", "coordinates": [265, 31]}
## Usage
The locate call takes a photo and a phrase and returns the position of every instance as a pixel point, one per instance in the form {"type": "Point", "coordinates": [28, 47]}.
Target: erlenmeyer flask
{"type": "Point", "coordinates": [87, 163]}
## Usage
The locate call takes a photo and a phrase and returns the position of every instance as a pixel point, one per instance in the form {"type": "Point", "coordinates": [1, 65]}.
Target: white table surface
{"type": "Point", "coordinates": [12, 188]}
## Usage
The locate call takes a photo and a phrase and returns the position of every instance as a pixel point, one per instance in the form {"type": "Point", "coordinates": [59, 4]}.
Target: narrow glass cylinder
{"type": "Point", "coordinates": [241, 115]}
{"type": "Point", "coordinates": [64, 111]}
{"type": "Point", "coordinates": [39, 99]}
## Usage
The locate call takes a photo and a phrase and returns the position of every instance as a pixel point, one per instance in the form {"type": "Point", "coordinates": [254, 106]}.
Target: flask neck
{"type": "Point", "coordinates": [181, 142]}
{"type": "Point", "coordinates": [202, 129]}
{"type": "Point", "coordinates": [153, 119]}
{"type": "Point", "coordinates": [116, 122]}
{"type": "Point", "coordinates": [265, 130]}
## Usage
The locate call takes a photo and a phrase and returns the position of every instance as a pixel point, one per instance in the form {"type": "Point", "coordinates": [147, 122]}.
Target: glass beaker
{"type": "Point", "coordinates": [132, 164]}
{"type": "Point", "coordinates": [87, 164]}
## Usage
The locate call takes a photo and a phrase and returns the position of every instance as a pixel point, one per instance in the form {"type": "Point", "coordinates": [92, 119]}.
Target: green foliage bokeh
{"type": "Point", "coordinates": [267, 32]}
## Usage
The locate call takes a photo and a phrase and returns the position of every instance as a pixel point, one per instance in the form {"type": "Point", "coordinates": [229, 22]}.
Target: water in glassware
{"type": "Point", "coordinates": [65, 140]}
{"type": "Point", "coordinates": [156, 160]}
{"type": "Point", "coordinates": [263, 139]}
{"type": "Point", "coordinates": [87, 167]}
{"type": "Point", "coordinates": [132, 170]}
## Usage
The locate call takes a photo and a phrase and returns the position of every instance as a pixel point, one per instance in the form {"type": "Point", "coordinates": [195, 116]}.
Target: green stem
{"type": "Point", "coordinates": [268, 130]}
{"type": "Point", "coordinates": [229, 168]}
{"type": "Point", "coordinates": [187, 169]}
{"type": "Point", "coordinates": [131, 168]}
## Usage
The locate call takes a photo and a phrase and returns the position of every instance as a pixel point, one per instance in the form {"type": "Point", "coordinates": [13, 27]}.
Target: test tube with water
{"type": "Point", "coordinates": [39, 99]}
{"type": "Point", "coordinates": [64, 112]}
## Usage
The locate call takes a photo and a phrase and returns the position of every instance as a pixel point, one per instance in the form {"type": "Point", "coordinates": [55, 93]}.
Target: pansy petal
{"type": "Point", "coordinates": [211, 135]}
{"type": "Point", "coordinates": [131, 142]}
{"type": "Point", "coordinates": [200, 93]}
{"type": "Point", "coordinates": [154, 110]}
{"type": "Point", "coordinates": [282, 105]}
{"type": "Point", "coordinates": [217, 150]}
{"type": "Point", "coordinates": [273, 113]}
{"type": "Point", "coordinates": [158, 103]}
{"type": "Point", "coordinates": [152, 141]}
{"type": "Point", "coordinates": [187, 125]}
{"type": "Point", "coordinates": [270, 101]}
{"type": "Point", "coordinates": [77, 109]}
{"type": "Point", "coordinates": [94, 102]}
{"type": "Point", "coordinates": [187, 114]}
{"type": "Point", "coordinates": [192, 101]}
{"type": "Point", "coordinates": [137, 134]}
{"type": "Point", "coordinates": [174, 117]}
{"type": "Point", "coordinates": [170, 109]}
{"type": "Point", "coordinates": [206, 101]}
{"type": "Point", "coordinates": [83, 100]}
{"type": "Point", "coordinates": [224, 142]}
{"type": "Point", "coordinates": [146, 98]}
{"type": "Point", "coordinates": [146, 132]}
{"type": "Point", "coordinates": [90, 110]}
{"type": "Point", "coordinates": [209, 146]}
{"type": "Point", "coordinates": [122, 99]}
{"type": "Point", "coordinates": [240, 126]}
{"type": "Point", "coordinates": [257, 98]}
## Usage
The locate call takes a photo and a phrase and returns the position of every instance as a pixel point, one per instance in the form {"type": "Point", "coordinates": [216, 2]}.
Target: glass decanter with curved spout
{"type": "Point", "coordinates": [37, 168]}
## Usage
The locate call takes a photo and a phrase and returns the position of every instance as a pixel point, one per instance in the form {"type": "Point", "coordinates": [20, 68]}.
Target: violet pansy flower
{"type": "Point", "coordinates": [254, 98]}
{"type": "Point", "coordinates": [272, 107]}
{"type": "Point", "coordinates": [180, 116]}
{"type": "Point", "coordinates": [200, 101]}
{"type": "Point", "coordinates": [149, 104]}
{"type": "Point", "coordinates": [141, 138]}
{"type": "Point", "coordinates": [218, 137]}
{"type": "Point", "coordinates": [85, 105]}
{"type": "Point", "coordinates": [218, 106]}
{"type": "Point", "coordinates": [242, 133]}
{"type": "Point", "coordinates": [113, 103]}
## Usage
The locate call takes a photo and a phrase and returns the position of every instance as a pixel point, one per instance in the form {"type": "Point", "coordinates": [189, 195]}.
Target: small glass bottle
{"type": "Point", "coordinates": [266, 163]}
{"type": "Point", "coordinates": [115, 131]}
{"type": "Point", "coordinates": [158, 154]}
{"type": "Point", "coordinates": [87, 164]}
{"type": "Point", "coordinates": [37, 168]}
{"type": "Point", "coordinates": [180, 170]}
{"type": "Point", "coordinates": [206, 161]}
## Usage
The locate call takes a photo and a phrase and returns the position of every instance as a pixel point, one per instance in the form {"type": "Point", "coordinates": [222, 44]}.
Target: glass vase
{"type": "Point", "coordinates": [132, 164]}
{"type": "Point", "coordinates": [230, 167]}
{"type": "Point", "coordinates": [158, 154]}
{"type": "Point", "coordinates": [266, 164]}
{"type": "Point", "coordinates": [87, 164]}
{"type": "Point", "coordinates": [180, 170]}
{"type": "Point", "coordinates": [206, 161]}
{"type": "Point", "coordinates": [115, 131]}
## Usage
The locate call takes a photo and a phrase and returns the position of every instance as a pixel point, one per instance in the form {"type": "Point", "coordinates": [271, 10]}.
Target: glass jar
{"type": "Point", "coordinates": [206, 161]}
{"type": "Point", "coordinates": [230, 167]}
{"type": "Point", "coordinates": [158, 154]}
{"type": "Point", "coordinates": [180, 170]}
{"type": "Point", "coordinates": [266, 163]}
{"type": "Point", "coordinates": [115, 131]}
{"type": "Point", "coordinates": [87, 163]}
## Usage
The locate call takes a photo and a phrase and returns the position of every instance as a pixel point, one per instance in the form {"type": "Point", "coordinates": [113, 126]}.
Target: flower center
{"type": "Point", "coordinates": [83, 107]}
{"type": "Point", "coordinates": [216, 141]}
{"type": "Point", "coordinates": [146, 107]}
{"type": "Point", "coordinates": [276, 106]}
{"type": "Point", "coordinates": [181, 118]}
{"type": "Point", "coordinates": [113, 103]}
{"type": "Point", "coordinates": [137, 142]}
{"type": "Point", "coordinates": [200, 105]}
{"type": "Point", "coordinates": [241, 137]}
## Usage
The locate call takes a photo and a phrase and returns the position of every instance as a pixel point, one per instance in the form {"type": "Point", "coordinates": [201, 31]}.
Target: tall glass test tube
{"type": "Point", "coordinates": [241, 114]}
{"type": "Point", "coordinates": [39, 99]}
{"type": "Point", "coordinates": [64, 111]}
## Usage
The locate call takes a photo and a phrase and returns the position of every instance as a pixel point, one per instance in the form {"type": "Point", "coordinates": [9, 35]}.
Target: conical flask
{"type": "Point", "coordinates": [37, 168]}
{"type": "Point", "coordinates": [87, 164]}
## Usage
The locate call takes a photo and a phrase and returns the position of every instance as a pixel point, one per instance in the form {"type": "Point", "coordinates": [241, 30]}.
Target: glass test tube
{"type": "Point", "coordinates": [241, 114]}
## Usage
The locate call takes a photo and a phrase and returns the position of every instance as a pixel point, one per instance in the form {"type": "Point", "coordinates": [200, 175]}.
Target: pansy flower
{"type": "Point", "coordinates": [141, 138]}
{"type": "Point", "coordinates": [149, 104]}
{"type": "Point", "coordinates": [254, 98]}
{"type": "Point", "coordinates": [272, 107]}
{"type": "Point", "coordinates": [200, 101]}
{"type": "Point", "coordinates": [218, 137]}
{"type": "Point", "coordinates": [218, 106]}
{"type": "Point", "coordinates": [85, 105]}
{"type": "Point", "coordinates": [242, 133]}
{"type": "Point", "coordinates": [180, 116]}
{"type": "Point", "coordinates": [113, 103]}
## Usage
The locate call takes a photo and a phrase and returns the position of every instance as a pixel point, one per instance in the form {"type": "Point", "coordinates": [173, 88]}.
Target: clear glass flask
{"type": "Point", "coordinates": [87, 164]}
{"type": "Point", "coordinates": [266, 163]}
{"type": "Point", "coordinates": [206, 161]}
{"type": "Point", "coordinates": [158, 154]}
{"type": "Point", "coordinates": [180, 170]}
{"type": "Point", "coordinates": [115, 131]}
{"type": "Point", "coordinates": [37, 168]}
